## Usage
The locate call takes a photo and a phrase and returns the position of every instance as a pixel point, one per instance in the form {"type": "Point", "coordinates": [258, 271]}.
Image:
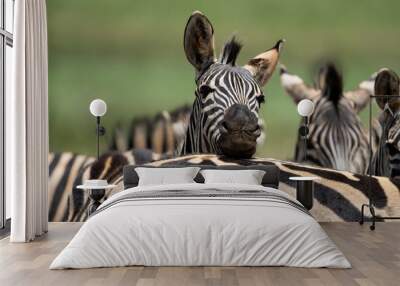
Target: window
{"type": "Point", "coordinates": [6, 62]}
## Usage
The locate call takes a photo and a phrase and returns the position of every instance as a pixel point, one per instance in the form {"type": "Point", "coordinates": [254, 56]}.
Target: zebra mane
{"type": "Point", "coordinates": [333, 88]}
{"type": "Point", "coordinates": [230, 52]}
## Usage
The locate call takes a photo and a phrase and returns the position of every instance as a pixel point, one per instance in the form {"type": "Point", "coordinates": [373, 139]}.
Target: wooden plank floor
{"type": "Point", "coordinates": [375, 257]}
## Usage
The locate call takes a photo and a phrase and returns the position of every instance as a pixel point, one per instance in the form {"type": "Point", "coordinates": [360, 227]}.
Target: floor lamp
{"type": "Point", "coordinates": [370, 204]}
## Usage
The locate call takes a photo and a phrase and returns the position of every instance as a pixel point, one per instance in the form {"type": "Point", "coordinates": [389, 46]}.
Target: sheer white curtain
{"type": "Point", "coordinates": [27, 123]}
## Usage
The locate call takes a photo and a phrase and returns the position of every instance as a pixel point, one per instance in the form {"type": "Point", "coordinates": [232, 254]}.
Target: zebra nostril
{"type": "Point", "coordinates": [255, 128]}
{"type": "Point", "coordinates": [257, 131]}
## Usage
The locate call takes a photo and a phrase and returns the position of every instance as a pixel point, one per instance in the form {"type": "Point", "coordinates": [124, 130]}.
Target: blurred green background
{"type": "Point", "coordinates": [130, 54]}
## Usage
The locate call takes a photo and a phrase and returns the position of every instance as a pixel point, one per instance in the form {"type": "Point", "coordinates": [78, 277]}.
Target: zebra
{"type": "Point", "coordinates": [386, 159]}
{"type": "Point", "coordinates": [162, 133]}
{"type": "Point", "coordinates": [68, 170]}
{"type": "Point", "coordinates": [64, 168]}
{"type": "Point", "coordinates": [224, 118]}
{"type": "Point", "coordinates": [337, 138]}
{"type": "Point", "coordinates": [338, 195]}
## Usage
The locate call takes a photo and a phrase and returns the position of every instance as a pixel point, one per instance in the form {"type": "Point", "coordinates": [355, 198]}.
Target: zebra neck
{"type": "Point", "coordinates": [383, 163]}
{"type": "Point", "coordinates": [195, 141]}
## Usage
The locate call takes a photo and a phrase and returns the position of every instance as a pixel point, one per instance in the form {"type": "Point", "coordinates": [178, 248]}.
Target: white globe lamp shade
{"type": "Point", "coordinates": [305, 107]}
{"type": "Point", "coordinates": [98, 107]}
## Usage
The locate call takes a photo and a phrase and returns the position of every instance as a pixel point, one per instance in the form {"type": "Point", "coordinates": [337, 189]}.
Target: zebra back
{"type": "Point", "coordinates": [338, 195]}
{"type": "Point", "coordinates": [64, 169]}
{"type": "Point", "coordinates": [162, 133]}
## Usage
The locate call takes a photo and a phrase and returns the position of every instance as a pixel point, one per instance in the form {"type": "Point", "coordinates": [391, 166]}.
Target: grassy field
{"type": "Point", "coordinates": [130, 54]}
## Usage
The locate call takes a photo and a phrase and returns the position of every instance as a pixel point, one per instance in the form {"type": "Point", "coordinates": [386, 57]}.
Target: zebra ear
{"type": "Point", "coordinates": [199, 41]}
{"type": "Point", "coordinates": [360, 96]}
{"type": "Point", "coordinates": [295, 86]}
{"type": "Point", "coordinates": [263, 65]}
{"type": "Point", "coordinates": [387, 83]}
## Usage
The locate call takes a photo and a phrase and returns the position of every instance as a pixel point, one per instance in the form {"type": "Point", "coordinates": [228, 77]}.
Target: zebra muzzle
{"type": "Point", "coordinates": [239, 130]}
{"type": "Point", "coordinates": [239, 143]}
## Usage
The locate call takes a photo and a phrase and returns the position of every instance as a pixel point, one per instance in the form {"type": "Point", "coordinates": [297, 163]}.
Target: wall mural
{"type": "Point", "coordinates": [230, 118]}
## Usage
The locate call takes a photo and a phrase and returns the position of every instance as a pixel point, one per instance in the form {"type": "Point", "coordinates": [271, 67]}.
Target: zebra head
{"type": "Point", "coordinates": [224, 117]}
{"type": "Point", "coordinates": [337, 139]}
{"type": "Point", "coordinates": [387, 157]}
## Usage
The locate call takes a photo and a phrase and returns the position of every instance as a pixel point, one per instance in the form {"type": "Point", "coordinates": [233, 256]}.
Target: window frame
{"type": "Point", "coordinates": [6, 39]}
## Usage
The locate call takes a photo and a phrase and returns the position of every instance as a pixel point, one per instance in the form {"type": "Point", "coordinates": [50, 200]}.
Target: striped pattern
{"type": "Point", "coordinates": [226, 85]}
{"type": "Point", "coordinates": [185, 195]}
{"type": "Point", "coordinates": [393, 145]}
{"type": "Point", "coordinates": [162, 133]}
{"type": "Point", "coordinates": [337, 138]}
{"type": "Point", "coordinates": [224, 117]}
{"type": "Point", "coordinates": [386, 160]}
{"type": "Point", "coordinates": [338, 194]}
{"type": "Point", "coordinates": [68, 170]}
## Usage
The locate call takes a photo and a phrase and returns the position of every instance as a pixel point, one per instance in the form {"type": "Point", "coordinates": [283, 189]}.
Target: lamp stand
{"type": "Point", "coordinates": [100, 131]}
{"type": "Point", "coordinates": [304, 135]}
{"type": "Point", "coordinates": [370, 204]}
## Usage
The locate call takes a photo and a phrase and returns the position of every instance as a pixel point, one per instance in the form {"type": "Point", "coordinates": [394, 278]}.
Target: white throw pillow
{"type": "Point", "coordinates": [164, 176]}
{"type": "Point", "coordinates": [247, 177]}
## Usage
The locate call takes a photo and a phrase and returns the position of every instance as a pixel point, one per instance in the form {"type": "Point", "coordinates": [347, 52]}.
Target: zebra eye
{"type": "Point", "coordinates": [204, 90]}
{"type": "Point", "coordinates": [260, 99]}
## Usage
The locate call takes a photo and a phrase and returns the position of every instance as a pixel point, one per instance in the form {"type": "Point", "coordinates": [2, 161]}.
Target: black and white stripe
{"type": "Point", "coordinates": [224, 117]}
{"type": "Point", "coordinates": [337, 138]}
{"type": "Point", "coordinates": [221, 195]}
{"type": "Point", "coordinates": [68, 170]}
{"type": "Point", "coordinates": [220, 87]}
{"type": "Point", "coordinates": [386, 159]}
{"type": "Point", "coordinates": [162, 133]}
{"type": "Point", "coordinates": [338, 195]}
{"type": "Point", "coordinates": [65, 171]}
